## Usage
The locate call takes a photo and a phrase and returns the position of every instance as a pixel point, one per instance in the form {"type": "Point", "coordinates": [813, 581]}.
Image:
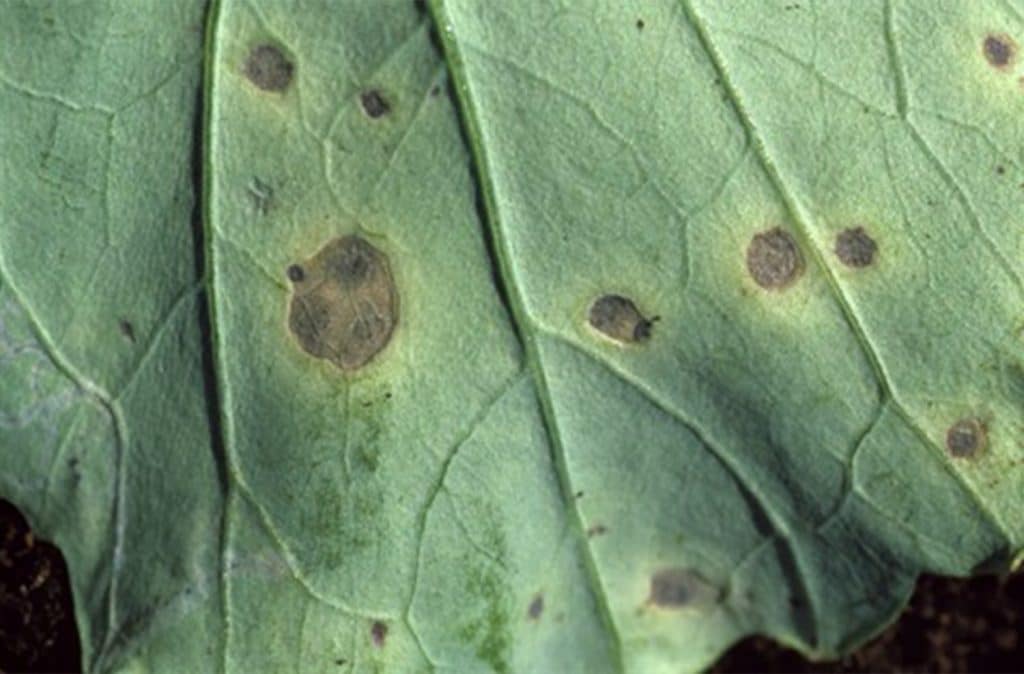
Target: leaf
{"type": "Point", "coordinates": [540, 338]}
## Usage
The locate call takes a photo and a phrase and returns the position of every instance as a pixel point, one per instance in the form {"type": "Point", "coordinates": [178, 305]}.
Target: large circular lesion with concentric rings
{"type": "Point", "coordinates": [344, 303]}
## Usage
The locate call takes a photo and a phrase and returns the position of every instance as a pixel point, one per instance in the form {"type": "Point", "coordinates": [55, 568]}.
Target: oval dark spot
{"type": "Point", "coordinates": [1000, 50]}
{"type": "Point", "coordinates": [966, 438]}
{"type": "Point", "coordinates": [773, 259]}
{"type": "Point", "coordinates": [268, 68]}
{"type": "Point", "coordinates": [127, 329]}
{"type": "Point", "coordinates": [639, 24]}
{"type": "Point", "coordinates": [295, 273]}
{"type": "Point", "coordinates": [348, 310]}
{"type": "Point", "coordinates": [379, 633]}
{"type": "Point", "coordinates": [374, 104]}
{"type": "Point", "coordinates": [597, 530]}
{"type": "Point", "coordinates": [536, 607]}
{"type": "Point", "coordinates": [855, 248]}
{"type": "Point", "coordinates": [618, 318]}
{"type": "Point", "coordinates": [677, 587]}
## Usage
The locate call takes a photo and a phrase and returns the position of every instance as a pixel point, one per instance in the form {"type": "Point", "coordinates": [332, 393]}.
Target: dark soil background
{"type": "Point", "coordinates": [950, 626]}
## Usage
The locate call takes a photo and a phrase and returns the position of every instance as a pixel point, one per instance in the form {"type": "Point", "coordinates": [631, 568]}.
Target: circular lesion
{"type": "Point", "coordinates": [1000, 50]}
{"type": "Point", "coordinates": [774, 260]}
{"type": "Point", "coordinates": [344, 308]}
{"type": "Point", "coordinates": [855, 248]}
{"type": "Point", "coordinates": [966, 438]}
{"type": "Point", "coordinates": [268, 68]}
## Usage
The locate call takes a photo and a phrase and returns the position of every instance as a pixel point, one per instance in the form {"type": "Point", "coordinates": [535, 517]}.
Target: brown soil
{"type": "Point", "coordinates": [950, 626]}
{"type": "Point", "coordinates": [37, 623]}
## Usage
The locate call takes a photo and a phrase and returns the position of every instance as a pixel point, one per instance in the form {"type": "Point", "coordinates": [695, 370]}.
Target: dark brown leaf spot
{"type": "Point", "coordinates": [597, 530]}
{"type": "Point", "coordinates": [374, 105]}
{"type": "Point", "coordinates": [379, 633]}
{"type": "Point", "coordinates": [640, 24]}
{"type": "Point", "coordinates": [536, 607]}
{"type": "Point", "coordinates": [618, 318]}
{"type": "Point", "coordinates": [773, 259]}
{"type": "Point", "coordinates": [855, 248]}
{"type": "Point", "coordinates": [1000, 50]}
{"type": "Point", "coordinates": [268, 68]}
{"type": "Point", "coordinates": [676, 587]}
{"type": "Point", "coordinates": [345, 305]}
{"type": "Point", "coordinates": [295, 273]}
{"type": "Point", "coordinates": [966, 438]}
{"type": "Point", "coordinates": [127, 329]}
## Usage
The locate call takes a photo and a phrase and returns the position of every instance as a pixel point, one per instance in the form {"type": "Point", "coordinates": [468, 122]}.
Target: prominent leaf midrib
{"type": "Point", "coordinates": [517, 311]}
{"type": "Point", "coordinates": [211, 334]}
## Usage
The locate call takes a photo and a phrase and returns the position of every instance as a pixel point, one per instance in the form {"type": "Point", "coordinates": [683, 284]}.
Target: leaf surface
{"type": "Point", "coordinates": [540, 337]}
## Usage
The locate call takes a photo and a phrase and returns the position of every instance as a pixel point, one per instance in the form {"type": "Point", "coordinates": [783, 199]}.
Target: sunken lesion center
{"type": "Point", "coordinates": [344, 303]}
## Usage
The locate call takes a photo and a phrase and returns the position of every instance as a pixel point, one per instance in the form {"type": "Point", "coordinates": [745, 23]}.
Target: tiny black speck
{"type": "Point", "coordinates": [374, 104]}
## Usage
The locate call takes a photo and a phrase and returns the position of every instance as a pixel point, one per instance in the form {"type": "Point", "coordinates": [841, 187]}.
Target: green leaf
{"type": "Point", "coordinates": [508, 337]}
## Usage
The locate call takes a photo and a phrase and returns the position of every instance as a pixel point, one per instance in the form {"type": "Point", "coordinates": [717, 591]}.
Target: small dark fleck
{"type": "Point", "coordinates": [127, 329]}
{"type": "Point", "coordinates": [536, 607]}
{"type": "Point", "coordinates": [855, 248]}
{"type": "Point", "coordinates": [617, 317]}
{"type": "Point", "coordinates": [966, 438]}
{"type": "Point", "coordinates": [1000, 169]}
{"type": "Point", "coordinates": [379, 633]}
{"type": "Point", "coordinates": [435, 90]}
{"type": "Point", "coordinates": [597, 530]}
{"type": "Point", "coordinates": [773, 259]}
{"type": "Point", "coordinates": [374, 104]}
{"type": "Point", "coordinates": [295, 273]}
{"type": "Point", "coordinates": [640, 24]}
{"type": "Point", "coordinates": [579, 494]}
{"type": "Point", "coordinates": [268, 69]}
{"type": "Point", "coordinates": [341, 662]}
{"type": "Point", "coordinates": [999, 50]}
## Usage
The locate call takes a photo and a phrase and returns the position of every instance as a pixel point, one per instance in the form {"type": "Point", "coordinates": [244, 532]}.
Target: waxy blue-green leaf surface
{"type": "Point", "coordinates": [503, 487]}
